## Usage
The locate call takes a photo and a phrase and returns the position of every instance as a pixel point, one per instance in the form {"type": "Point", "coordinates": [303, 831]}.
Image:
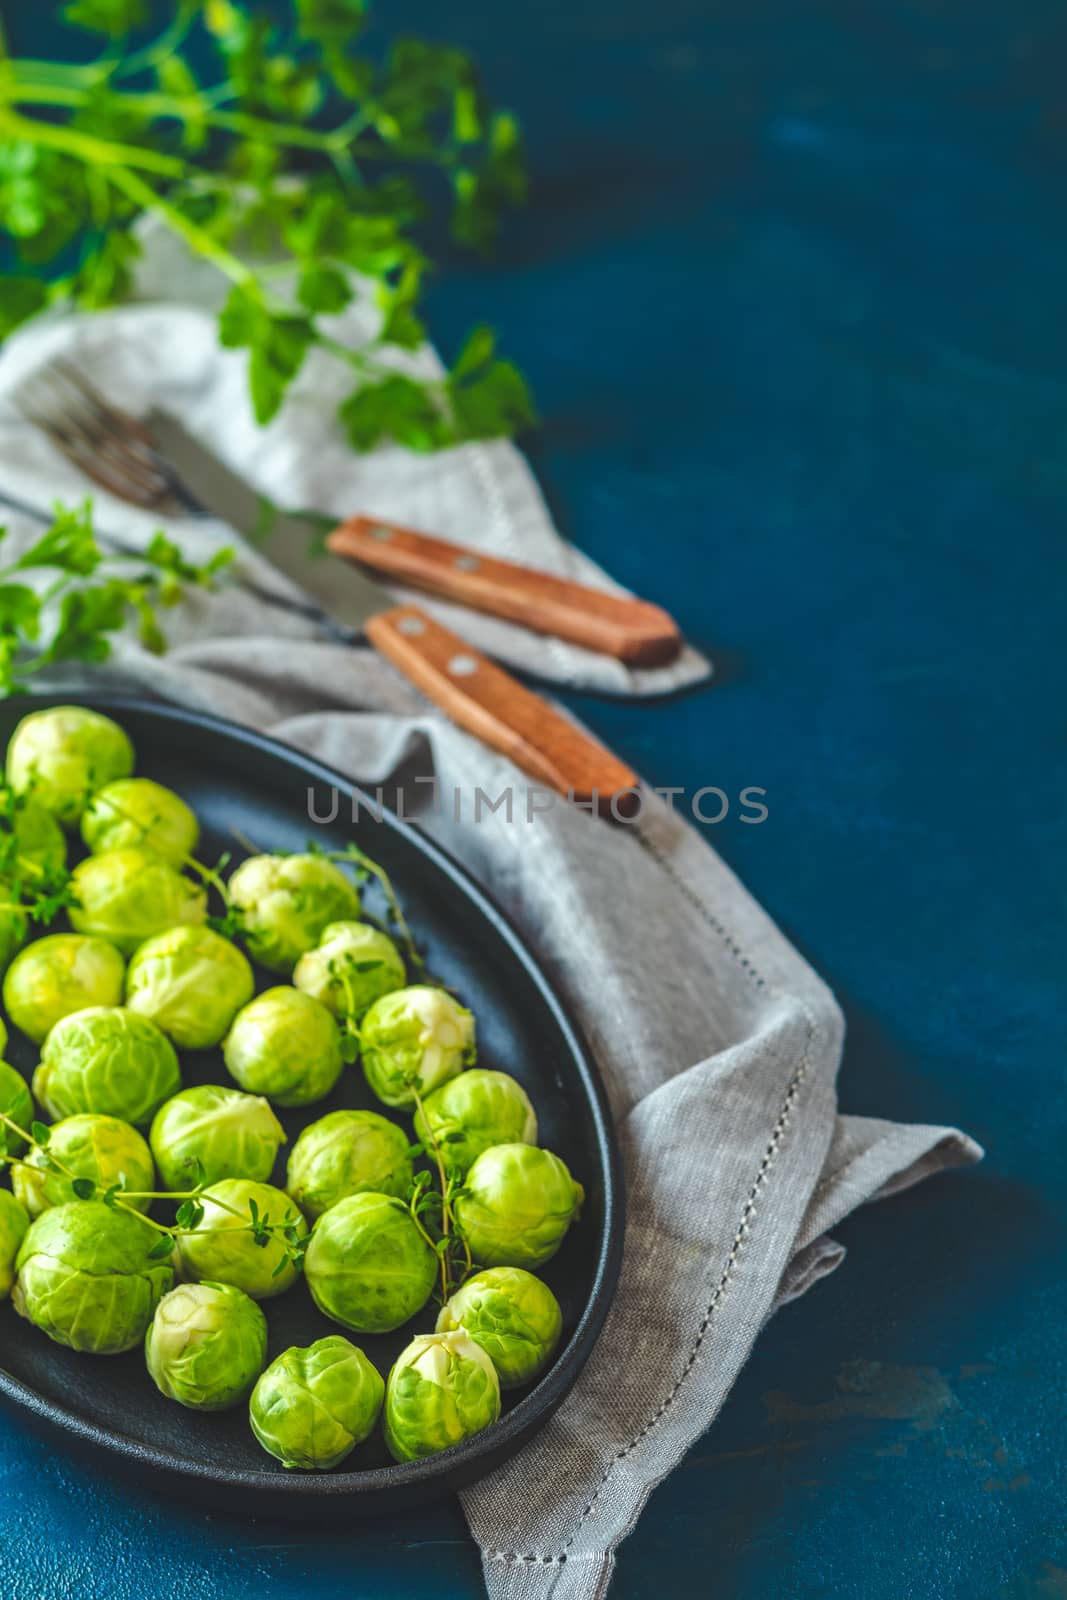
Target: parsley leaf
{"type": "Point", "coordinates": [247, 129]}
{"type": "Point", "coordinates": [79, 606]}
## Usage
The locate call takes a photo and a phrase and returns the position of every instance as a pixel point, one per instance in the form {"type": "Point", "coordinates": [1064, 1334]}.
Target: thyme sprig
{"type": "Point", "coordinates": [433, 1210]}
{"type": "Point", "coordinates": [188, 1215]}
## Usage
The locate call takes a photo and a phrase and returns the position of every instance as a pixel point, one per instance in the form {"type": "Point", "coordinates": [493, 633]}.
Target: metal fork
{"type": "Point", "coordinates": [113, 448]}
{"type": "Point", "coordinates": [118, 451]}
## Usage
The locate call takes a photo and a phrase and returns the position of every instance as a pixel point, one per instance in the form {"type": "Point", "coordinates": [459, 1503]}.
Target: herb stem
{"type": "Point", "coordinates": [39, 83]}
{"type": "Point", "coordinates": [164, 45]}
{"type": "Point", "coordinates": [442, 1255]}
{"type": "Point", "coordinates": [88, 147]}
{"type": "Point", "coordinates": [143, 195]}
{"type": "Point", "coordinates": [26, 90]}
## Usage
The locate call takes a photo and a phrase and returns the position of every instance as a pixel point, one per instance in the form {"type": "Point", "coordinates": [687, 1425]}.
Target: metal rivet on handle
{"type": "Point", "coordinates": [411, 625]}
{"type": "Point", "coordinates": [462, 666]}
{"type": "Point", "coordinates": [380, 533]}
{"type": "Point", "coordinates": [468, 563]}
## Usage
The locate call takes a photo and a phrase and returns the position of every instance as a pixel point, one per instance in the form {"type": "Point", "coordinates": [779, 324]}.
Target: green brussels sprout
{"type": "Point", "coordinates": [286, 903]}
{"type": "Point", "coordinates": [191, 982]}
{"type": "Point", "coordinates": [286, 1045]}
{"type": "Point", "coordinates": [472, 1113]}
{"type": "Point", "coordinates": [63, 756]}
{"type": "Point", "coordinates": [352, 965]}
{"type": "Point", "coordinates": [347, 1152]}
{"type": "Point", "coordinates": [516, 1204]}
{"type": "Point", "coordinates": [138, 812]}
{"type": "Point", "coordinates": [32, 844]}
{"type": "Point", "coordinates": [13, 925]}
{"type": "Point", "coordinates": [513, 1316]}
{"type": "Point", "coordinates": [412, 1039]}
{"type": "Point", "coordinates": [15, 1102]}
{"type": "Point", "coordinates": [86, 1279]}
{"type": "Point", "coordinates": [222, 1248]}
{"type": "Point", "coordinates": [313, 1406]}
{"type": "Point", "coordinates": [367, 1265]}
{"type": "Point", "coordinates": [129, 895]}
{"type": "Point", "coordinates": [13, 1225]}
{"type": "Point", "coordinates": [61, 973]}
{"type": "Point", "coordinates": [102, 1149]}
{"type": "Point", "coordinates": [230, 1135]}
{"type": "Point", "coordinates": [206, 1345]}
{"type": "Point", "coordinates": [108, 1060]}
{"type": "Point", "coordinates": [442, 1389]}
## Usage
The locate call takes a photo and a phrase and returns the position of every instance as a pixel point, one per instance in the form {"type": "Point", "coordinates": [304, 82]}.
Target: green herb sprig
{"type": "Point", "coordinates": [297, 150]}
{"type": "Point", "coordinates": [87, 596]}
{"type": "Point", "coordinates": [433, 1210]}
{"type": "Point", "coordinates": [190, 1209]}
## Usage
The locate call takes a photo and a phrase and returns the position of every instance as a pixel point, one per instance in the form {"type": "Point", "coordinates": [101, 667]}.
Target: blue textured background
{"type": "Point", "coordinates": [790, 290]}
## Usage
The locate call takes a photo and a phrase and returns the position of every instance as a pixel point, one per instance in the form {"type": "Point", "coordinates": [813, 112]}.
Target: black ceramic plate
{"type": "Point", "coordinates": [238, 780]}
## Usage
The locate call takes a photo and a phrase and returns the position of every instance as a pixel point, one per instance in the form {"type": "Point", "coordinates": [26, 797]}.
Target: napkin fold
{"type": "Point", "coordinates": [717, 1043]}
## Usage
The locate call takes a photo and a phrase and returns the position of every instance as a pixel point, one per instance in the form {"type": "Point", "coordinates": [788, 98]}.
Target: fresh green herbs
{"type": "Point", "coordinates": [84, 594]}
{"type": "Point", "coordinates": [300, 167]}
{"type": "Point", "coordinates": [432, 1209]}
{"type": "Point", "coordinates": [188, 1215]}
{"type": "Point", "coordinates": [365, 871]}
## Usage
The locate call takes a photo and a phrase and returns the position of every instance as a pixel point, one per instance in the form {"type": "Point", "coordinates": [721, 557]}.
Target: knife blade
{"type": "Point", "coordinates": [473, 691]}
{"type": "Point", "coordinates": [632, 630]}
{"type": "Point", "coordinates": [341, 594]}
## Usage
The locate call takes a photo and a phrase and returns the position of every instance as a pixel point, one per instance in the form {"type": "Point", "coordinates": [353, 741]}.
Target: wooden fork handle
{"type": "Point", "coordinates": [634, 631]}
{"type": "Point", "coordinates": [488, 702]}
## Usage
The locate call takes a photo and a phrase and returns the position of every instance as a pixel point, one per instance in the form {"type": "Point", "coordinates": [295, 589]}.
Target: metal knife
{"type": "Point", "coordinates": [473, 691]}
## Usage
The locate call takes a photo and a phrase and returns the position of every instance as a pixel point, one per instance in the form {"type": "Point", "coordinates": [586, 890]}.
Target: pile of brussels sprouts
{"type": "Point", "coordinates": [110, 1239]}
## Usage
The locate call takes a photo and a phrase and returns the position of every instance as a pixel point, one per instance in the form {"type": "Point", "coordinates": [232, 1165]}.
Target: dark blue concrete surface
{"type": "Point", "coordinates": [790, 290]}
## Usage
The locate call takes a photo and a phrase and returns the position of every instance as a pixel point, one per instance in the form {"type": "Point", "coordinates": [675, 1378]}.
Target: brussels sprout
{"type": "Point", "coordinates": [286, 902]}
{"type": "Point", "coordinates": [206, 1345]}
{"type": "Point", "coordinates": [286, 1045]}
{"type": "Point", "coordinates": [513, 1316]}
{"type": "Point", "coordinates": [32, 844]}
{"type": "Point", "coordinates": [352, 965]}
{"type": "Point", "coordinates": [313, 1406]}
{"type": "Point", "coordinates": [222, 1247]}
{"type": "Point", "coordinates": [412, 1039]}
{"type": "Point", "coordinates": [515, 1206]}
{"type": "Point", "coordinates": [472, 1113]}
{"type": "Point", "coordinates": [137, 811]}
{"type": "Point", "coordinates": [63, 756]}
{"type": "Point", "coordinates": [13, 925]}
{"type": "Point", "coordinates": [100, 1148]}
{"type": "Point", "coordinates": [85, 1277]}
{"type": "Point", "coordinates": [129, 895]}
{"type": "Point", "coordinates": [15, 1102]}
{"type": "Point", "coordinates": [191, 982]}
{"type": "Point", "coordinates": [367, 1265]}
{"type": "Point", "coordinates": [347, 1152]}
{"type": "Point", "coordinates": [61, 973]}
{"type": "Point", "coordinates": [108, 1060]}
{"type": "Point", "coordinates": [13, 1225]}
{"type": "Point", "coordinates": [442, 1389]}
{"type": "Point", "coordinates": [230, 1134]}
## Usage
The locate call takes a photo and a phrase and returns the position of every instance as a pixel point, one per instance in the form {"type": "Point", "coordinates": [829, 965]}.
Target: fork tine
{"type": "Point", "coordinates": [80, 451]}
{"type": "Point", "coordinates": [104, 442]}
{"type": "Point", "coordinates": [99, 403]}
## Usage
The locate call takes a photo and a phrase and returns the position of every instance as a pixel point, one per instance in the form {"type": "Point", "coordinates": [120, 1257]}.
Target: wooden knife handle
{"type": "Point", "coordinates": [488, 702]}
{"type": "Point", "coordinates": [631, 630]}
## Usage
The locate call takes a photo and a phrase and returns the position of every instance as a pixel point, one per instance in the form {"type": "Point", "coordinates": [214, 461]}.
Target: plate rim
{"type": "Point", "coordinates": [536, 1408]}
